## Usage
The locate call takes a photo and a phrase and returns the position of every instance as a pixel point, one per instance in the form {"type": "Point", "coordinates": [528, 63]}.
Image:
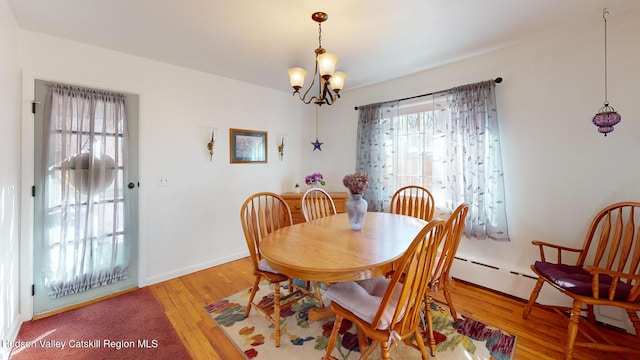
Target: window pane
{"type": "Point", "coordinates": [419, 154]}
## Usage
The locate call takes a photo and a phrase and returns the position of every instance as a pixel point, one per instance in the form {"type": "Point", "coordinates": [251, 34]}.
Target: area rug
{"type": "Point", "coordinates": [128, 326]}
{"type": "Point", "coordinates": [303, 339]}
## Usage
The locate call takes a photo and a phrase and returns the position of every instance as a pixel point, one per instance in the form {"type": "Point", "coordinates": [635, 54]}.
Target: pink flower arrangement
{"type": "Point", "coordinates": [357, 183]}
{"type": "Point", "coordinates": [314, 178]}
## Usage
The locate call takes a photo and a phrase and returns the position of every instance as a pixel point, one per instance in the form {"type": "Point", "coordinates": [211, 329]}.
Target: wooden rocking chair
{"type": "Point", "coordinates": [607, 272]}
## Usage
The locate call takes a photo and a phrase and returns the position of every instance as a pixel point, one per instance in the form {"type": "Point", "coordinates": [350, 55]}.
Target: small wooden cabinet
{"type": "Point", "coordinates": [294, 200]}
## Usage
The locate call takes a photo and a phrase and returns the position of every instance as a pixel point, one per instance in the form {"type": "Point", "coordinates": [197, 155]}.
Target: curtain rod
{"type": "Point", "coordinates": [497, 80]}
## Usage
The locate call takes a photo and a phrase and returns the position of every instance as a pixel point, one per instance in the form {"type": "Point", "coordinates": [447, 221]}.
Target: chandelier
{"type": "Point", "coordinates": [607, 116]}
{"type": "Point", "coordinates": [330, 82]}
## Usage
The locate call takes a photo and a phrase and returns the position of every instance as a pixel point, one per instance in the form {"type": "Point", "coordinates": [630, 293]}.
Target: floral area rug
{"type": "Point", "coordinates": [304, 339]}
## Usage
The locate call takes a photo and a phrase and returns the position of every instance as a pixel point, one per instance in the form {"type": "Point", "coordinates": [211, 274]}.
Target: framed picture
{"type": "Point", "coordinates": [247, 146]}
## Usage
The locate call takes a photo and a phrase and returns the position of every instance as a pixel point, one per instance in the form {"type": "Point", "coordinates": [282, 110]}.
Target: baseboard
{"type": "Point", "coordinates": [193, 268]}
{"type": "Point", "coordinates": [5, 343]}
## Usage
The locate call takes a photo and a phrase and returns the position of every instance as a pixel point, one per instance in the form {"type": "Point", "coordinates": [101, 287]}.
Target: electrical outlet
{"type": "Point", "coordinates": [163, 181]}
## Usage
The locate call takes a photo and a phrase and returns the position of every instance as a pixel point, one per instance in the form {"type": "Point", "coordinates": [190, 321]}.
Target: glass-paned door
{"type": "Point", "coordinates": [85, 228]}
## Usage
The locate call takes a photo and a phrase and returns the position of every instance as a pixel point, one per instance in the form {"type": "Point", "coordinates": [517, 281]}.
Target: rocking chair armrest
{"type": "Point", "coordinates": [617, 277]}
{"type": "Point", "coordinates": [541, 245]}
{"type": "Point", "coordinates": [593, 270]}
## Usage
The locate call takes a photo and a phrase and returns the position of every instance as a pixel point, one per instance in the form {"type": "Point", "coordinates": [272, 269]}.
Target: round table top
{"type": "Point", "coordinates": [327, 250]}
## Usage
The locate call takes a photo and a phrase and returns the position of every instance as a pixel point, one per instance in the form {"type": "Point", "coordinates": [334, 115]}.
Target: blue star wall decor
{"type": "Point", "coordinates": [317, 145]}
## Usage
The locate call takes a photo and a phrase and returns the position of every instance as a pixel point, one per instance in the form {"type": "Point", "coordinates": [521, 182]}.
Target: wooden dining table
{"type": "Point", "coordinates": [327, 250]}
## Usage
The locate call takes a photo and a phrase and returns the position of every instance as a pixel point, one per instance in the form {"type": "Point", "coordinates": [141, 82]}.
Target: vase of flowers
{"type": "Point", "coordinates": [357, 184]}
{"type": "Point", "coordinates": [314, 180]}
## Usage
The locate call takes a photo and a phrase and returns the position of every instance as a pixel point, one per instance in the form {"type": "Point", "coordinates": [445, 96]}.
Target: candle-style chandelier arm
{"type": "Point", "coordinates": [313, 81]}
{"type": "Point", "coordinates": [327, 94]}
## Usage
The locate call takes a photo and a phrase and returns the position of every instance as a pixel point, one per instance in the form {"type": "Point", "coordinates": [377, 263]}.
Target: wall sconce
{"type": "Point", "coordinates": [281, 147]}
{"type": "Point", "coordinates": [211, 143]}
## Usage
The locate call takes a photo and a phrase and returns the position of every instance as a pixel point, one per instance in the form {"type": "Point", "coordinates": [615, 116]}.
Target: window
{"type": "Point", "coordinates": [448, 143]}
{"type": "Point", "coordinates": [416, 150]}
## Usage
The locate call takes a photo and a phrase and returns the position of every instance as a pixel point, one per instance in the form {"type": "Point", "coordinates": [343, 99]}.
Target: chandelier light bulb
{"type": "Point", "coordinates": [327, 64]}
{"type": "Point", "coordinates": [337, 81]}
{"type": "Point", "coordinates": [296, 77]}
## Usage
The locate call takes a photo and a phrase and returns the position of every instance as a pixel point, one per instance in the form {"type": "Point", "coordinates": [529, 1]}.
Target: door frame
{"type": "Point", "coordinates": [27, 201]}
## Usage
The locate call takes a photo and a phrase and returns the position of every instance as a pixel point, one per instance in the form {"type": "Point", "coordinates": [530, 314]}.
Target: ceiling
{"type": "Point", "coordinates": [256, 41]}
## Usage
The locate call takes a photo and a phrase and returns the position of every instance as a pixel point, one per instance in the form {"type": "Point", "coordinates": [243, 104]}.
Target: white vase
{"type": "Point", "coordinates": [357, 211]}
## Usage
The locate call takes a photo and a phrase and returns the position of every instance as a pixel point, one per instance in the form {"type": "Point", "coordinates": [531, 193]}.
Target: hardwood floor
{"type": "Point", "coordinates": [542, 336]}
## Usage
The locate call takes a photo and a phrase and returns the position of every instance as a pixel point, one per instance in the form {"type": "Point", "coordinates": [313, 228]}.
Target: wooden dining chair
{"type": "Point", "coordinates": [389, 310]}
{"type": "Point", "coordinates": [606, 273]}
{"type": "Point", "coordinates": [316, 204]}
{"type": "Point", "coordinates": [441, 280]}
{"type": "Point", "coordinates": [413, 201]}
{"type": "Point", "coordinates": [262, 214]}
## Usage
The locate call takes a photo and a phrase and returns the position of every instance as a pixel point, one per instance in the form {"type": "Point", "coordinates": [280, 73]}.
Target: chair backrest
{"type": "Point", "coordinates": [453, 229]}
{"type": "Point", "coordinates": [613, 239]}
{"type": "Point", "coordinates": [316, 204]}
{"type": "Point", "coordinates": [262, 214]}
{"type": "Point", "coordinates": [415, 269]}
{"type": "Point", "coordinates": [413, 201]}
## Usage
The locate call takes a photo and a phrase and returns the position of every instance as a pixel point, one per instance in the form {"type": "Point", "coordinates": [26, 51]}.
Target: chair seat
{"type": "Point", "coordinates": [363, 298]}
{"type": "Point", "coordinates": [263, 266]}
{"type": "Point", "coordinates": [578, 281]}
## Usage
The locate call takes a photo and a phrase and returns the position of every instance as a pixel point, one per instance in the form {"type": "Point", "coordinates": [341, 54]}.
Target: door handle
{"type": "Point", "coordinates": [131, 185]}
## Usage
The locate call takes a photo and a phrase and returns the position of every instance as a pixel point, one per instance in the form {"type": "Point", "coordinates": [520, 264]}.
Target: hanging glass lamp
{"type": "Point", "coordinates": [607, 116]}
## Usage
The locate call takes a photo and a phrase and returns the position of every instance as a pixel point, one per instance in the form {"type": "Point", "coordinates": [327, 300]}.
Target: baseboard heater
{"type": "Point", "coordinates": [519, 285]}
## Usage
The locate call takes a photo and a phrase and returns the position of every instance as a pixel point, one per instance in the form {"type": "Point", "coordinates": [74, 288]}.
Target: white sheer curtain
{"type": "Point", "coordinates": [474, 171]}
{"type": "Point", "coordinates": [372, 152]}
{"type": "Point", "coordinates": [85, 161]}
{"type": "Point", "coordinates": [452, 149]}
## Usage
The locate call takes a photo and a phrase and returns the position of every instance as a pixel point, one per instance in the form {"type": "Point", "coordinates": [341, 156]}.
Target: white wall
{"type": "Point", "coordinates": [559, 170]}
{"type": "Point", "coordinates": [193, 223]}
{"type": "Point", "coordinates": [9, 178]}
